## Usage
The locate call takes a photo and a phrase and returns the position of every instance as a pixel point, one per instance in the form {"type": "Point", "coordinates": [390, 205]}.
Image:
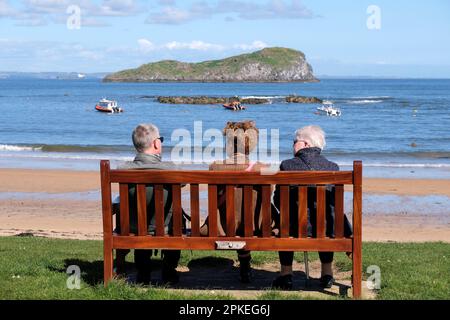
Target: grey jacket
{"type": "Point", "coordinates": [147, 162]}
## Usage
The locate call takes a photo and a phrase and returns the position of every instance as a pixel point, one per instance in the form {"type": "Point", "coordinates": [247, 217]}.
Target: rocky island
{"type": "Point", "coordinates": [266, 65]}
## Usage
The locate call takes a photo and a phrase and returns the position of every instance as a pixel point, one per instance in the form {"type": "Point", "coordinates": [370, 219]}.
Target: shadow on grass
{"type": "Point", "coordinates": [206, 273]}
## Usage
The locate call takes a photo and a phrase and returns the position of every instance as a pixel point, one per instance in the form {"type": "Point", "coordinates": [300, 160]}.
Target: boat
{"type": "Point", "coordinates": [108, 106]}
{"type": "Point", "coordinates": [234, 107]}
{"type": "Point", "coordinates": [329, 109]}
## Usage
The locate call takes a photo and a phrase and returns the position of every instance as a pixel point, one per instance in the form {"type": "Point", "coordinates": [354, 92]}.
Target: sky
{"type": "Point", "coordinates": [379, 38]}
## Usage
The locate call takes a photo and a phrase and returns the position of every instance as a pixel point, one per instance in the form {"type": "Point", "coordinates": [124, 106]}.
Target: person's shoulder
{"type": "Point", "coordinates": [333, 166]}
{"type": "Point", "coordinates": [289, 164]}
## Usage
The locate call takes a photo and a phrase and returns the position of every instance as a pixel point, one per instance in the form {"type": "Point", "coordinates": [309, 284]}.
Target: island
{"type": "Point", "coordinates": [266, 65]}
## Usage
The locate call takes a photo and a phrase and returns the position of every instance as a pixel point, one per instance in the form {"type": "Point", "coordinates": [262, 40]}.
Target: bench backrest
{"type": "Point", "coordinates": [248, 180]}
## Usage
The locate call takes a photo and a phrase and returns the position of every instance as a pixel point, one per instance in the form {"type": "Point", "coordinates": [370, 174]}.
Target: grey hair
{"type": "Point", "coordinates": [314, 135]}
{"type": "Point", "coordinates": [144, 135]}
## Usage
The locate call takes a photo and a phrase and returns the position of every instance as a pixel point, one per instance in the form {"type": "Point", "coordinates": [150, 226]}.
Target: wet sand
{"type": "Point", "coordinates": [53, 216]}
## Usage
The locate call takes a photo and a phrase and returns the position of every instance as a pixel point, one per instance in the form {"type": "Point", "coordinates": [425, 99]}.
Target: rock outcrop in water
{"type": "Point", "coordinates": [267, 65]}
{"type": "Point", "coordinates": [204, 100]}
{"type": "Point", "coordinates": [300, 99]}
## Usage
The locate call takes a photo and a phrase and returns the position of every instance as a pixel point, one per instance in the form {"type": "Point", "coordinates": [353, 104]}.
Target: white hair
{"type": "Point", "coordinates": [144, 135]}
{"type": "Point", "coordinates": [314, 135]}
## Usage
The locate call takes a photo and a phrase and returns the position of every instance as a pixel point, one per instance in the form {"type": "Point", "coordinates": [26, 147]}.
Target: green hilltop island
{"type": "Point", "coordinates": [266, 65]}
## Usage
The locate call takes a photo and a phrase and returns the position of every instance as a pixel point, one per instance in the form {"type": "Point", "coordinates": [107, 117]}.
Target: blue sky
{"type": "Point", "coordinates": [412, 41]}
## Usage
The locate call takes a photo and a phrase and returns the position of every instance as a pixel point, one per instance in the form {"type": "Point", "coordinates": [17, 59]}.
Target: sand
{"type": "Point", "coordinates": [53, 216]}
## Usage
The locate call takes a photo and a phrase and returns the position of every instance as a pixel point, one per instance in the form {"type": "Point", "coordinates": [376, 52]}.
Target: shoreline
{"type": "Point", "coordinates": [70, 181]}
{"type": "Point", "coordinates": [66, 204]}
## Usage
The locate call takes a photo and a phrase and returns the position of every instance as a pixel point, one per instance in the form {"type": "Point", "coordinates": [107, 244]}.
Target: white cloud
{"type": "Point", "coordinates": [256, 45]}
{"type": "Point", "coordinates": [146, 46]}
{"type": "Point", "coordinates": [242, 9]}
{"type": "Point", "coordinates": [6, 10]}
{"type": "Point", "coordinates": [41, 12]}
{"type": "Point", "coordinates": [193, 45]}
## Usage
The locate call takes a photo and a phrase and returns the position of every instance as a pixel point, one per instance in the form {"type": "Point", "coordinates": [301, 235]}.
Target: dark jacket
{"type": "Point", "coordinates": [311, 159]}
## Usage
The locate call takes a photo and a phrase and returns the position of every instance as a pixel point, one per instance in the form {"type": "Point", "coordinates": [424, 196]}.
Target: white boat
{"type": "Point", "coordinates": [329, 109]}
{"type": "Point", "coordinates": [109, 106]}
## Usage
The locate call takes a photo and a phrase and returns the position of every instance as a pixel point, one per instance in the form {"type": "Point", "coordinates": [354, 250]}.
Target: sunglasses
{"type": "Point", "coordinates": [160, 139]}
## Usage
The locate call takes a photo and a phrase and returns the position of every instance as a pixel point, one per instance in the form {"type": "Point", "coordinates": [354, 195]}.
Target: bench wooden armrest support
{"type": "Point", "coordinates": [248, 180]}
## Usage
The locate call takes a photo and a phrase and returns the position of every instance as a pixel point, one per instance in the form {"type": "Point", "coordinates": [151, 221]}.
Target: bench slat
{"type": "Point", "coordinates": [231, 177]}
{"type": "Point", "coordinates": [159, 210]}
{"type": "Point", "coordinates": [320, 217]}
{"type": "Point", "coordinates": [124, 210]}
{"type": "Point", "coordinates": [266, 211]}
{"type": "Point", "coordinates": [248, 211]}
{"type": "Point", "coordinates": [231, 216]}
{"type": "Point", "coordinates": [177, 211]}
{"type": "Point", "coordinates": [195, 210]}
{"type": "Point", "coordinates": [142, 210]}
{"type": "Point", "coordinates": [256, 244]}
{"type": "Point", "coordinates": [339, 211]}
{"type": "Point", "coordinates": [212, 211]}
{"type": "Point", "coordinates": [284, 211]}
{"type": "Point", "coordinates": [303, 212]}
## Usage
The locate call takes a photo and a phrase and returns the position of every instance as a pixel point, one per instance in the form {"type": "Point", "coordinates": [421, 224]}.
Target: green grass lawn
{"type": "Point", "coordinates": [35, 268]}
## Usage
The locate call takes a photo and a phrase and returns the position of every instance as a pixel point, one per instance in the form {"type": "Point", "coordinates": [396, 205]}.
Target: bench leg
{"type": "Point", "coordinates": [357, 274]}
{"type": "Point", "coordinates": [107, 264]}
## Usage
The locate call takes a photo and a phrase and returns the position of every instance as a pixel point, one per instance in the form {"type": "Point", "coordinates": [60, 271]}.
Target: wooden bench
{"type": "Point", "coordinates": [266, 242]}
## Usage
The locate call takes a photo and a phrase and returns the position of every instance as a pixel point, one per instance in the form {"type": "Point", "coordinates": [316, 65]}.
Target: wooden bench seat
{"type": "Point", "coordinates": [265, 242]}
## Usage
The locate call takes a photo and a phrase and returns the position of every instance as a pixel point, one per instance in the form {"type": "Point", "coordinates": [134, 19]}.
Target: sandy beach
{"type": "Point", "coordinates": [50, 203]}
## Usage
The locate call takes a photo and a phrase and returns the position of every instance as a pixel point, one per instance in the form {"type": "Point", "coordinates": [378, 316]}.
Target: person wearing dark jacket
{"type": "Point", "coordinates": [308, 145]}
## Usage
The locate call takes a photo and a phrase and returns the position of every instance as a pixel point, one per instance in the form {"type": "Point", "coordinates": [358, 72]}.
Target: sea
{"type": "Point", "coordinates": [397, 127]}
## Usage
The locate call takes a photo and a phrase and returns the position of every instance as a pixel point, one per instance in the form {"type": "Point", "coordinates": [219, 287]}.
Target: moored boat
{"type": "Point", "coordinates": [108, 106]}
{"type": "Point", "coordinates": [234, 106]}
{"type": "Point", "coordinates": [329, 109]}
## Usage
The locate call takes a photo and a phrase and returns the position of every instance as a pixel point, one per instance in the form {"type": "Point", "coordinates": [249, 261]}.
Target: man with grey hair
{"type": "Point", "coordinates": [148, 144]}
{"type": "Point", "coordinates": [308, 145]}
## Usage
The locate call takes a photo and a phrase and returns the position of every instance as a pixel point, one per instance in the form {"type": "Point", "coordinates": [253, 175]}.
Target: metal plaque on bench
{"type": "Point", "coordinates": [230, 245]}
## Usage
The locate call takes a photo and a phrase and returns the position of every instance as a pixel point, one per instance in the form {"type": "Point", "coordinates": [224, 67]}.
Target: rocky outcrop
{"type": "Point", "coordinates": [301, 99]}
{"type": "Point", "coordinates": [267, 65]}
{"type": "Point", "coordinates": [205, 100]}
{"type": "Point", "coordinates": [210, 100]}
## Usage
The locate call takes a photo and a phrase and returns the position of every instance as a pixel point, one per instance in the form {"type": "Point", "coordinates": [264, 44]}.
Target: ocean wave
{"type": "Point", "coordinates": [399, 165]}
{"type": "Point", "coordinates": [363, 101]}
{"type": "Point", "coordinates": [18, 148]}
{"type": "Point", "coordinates": [52, 156]}
{"type": "Point", "coordinates": [263, 97]}
{"type": "Point", "coordinates": [64, 148]}
{"type": "Point", "coordinates": [367, 100]}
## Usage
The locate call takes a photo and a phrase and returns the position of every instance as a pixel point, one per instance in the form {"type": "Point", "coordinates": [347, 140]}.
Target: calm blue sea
{"type": "Point", "coordinates": [397, 127]}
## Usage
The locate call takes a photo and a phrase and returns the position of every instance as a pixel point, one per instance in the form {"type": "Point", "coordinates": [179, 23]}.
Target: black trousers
{"type": "Point", "coordinates": [287, 257]}
{"type": "Point", "coordinates": [142, 259]}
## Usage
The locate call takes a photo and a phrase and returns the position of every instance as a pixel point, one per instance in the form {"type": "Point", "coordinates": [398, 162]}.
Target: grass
{"type": "Point", "coordinates": [35, 268]}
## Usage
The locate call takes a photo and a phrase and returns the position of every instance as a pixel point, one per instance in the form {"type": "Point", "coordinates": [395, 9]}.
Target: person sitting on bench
{"type": "Point", "coordinates": [148, 144]}
{"type": "Point", "coordinates": [308, 145]}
